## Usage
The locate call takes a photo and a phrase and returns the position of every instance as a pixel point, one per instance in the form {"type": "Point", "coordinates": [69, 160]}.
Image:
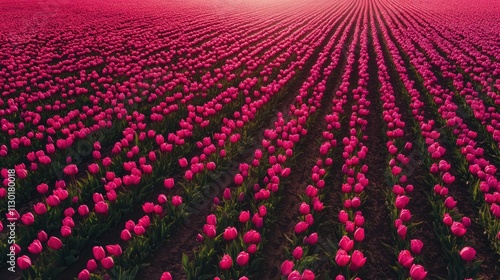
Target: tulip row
{"type": "Point", "coordinates": [304, 231]}
{"type": "Point", "coordinates": [472, 157]}
{"type": "Point", "coordinates": [399, 164]}
{"type": "Point", "coordinates": [443, 204]}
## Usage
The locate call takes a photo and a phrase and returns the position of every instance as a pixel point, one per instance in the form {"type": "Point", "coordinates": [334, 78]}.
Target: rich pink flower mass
{"type": "Point", "coordinates": [247, 139]}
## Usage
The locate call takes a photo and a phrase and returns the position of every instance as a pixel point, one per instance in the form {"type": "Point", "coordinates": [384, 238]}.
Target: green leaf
{"type": "Point", "coordinates": [185, 260]}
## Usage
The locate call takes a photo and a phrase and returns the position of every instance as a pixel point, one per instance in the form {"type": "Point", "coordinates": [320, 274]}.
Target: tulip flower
{"type": "Point", "coordinates": [35, 247]}
{"type": "Point", "coordinates": [169, 183]}
{"type": "Point", "coordinates": [416, 246]}
{"type": "Point", "coordinates": [405, 258]}
{"type": "Point", "coordinates": [28, 218]}
{"type": "Point", "coordinates": [98, 252]}
{"type": "Point", "coordinates": [244, 216]}
{"type": "Point", "coordinates": [308, 275]}
{"type": "Point", "coordinates": [176, 200]}
{"type": "Point", "coordinates": [297, 253]}
{"type": "Point", "coordinates": [101, 207]}
{"type": "Point", "coordinates": [42, 236]}
{"type": "Point", "coordinates": [125, 235]}
{"type": "Point", "coordinates": [54, 243]}
{"type": "Point", "coordinates": [84, 275]}
{"type": "Point", "coordinates": [458, 229]}
{"type": "Point", "coordinates": [230, 233]}
{"type": "Point", "coordinates": [107, 262]}
{"type": "Point", "coordinates": [286, 267]}
{"type": "Point", "coordinates": [226, 262]}
{"type": "Point", "coordinates": [91, 265]}
{"type": "Point", "coordinates": [242, 258]}
{"type": "Point", "coordinates": [166, 276]}
{"type": "Point", "coordinates": [342, 258]}
{"type": "Point", "coordinates": [467, 253]}
{"type": "Point", "coordinates": [359, 234]}
{"type": "Point", "coordinates": [357, 260]}
{"type": "Point", "coordinates": [115, 250]}
{"type": "Point", "coordinates": [417, 272]}
{"type": "Point", "coordinates": [24, 262]}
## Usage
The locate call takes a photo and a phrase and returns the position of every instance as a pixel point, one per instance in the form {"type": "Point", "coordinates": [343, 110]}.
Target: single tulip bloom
{"type": "Point", "coordinates": [54, 243]}
{"type": "Point", "coordinates": [286, 267]}
{"type": "Point", "coordinates": [416, 246]}
{"type": "Point", "coordinates": [418, 272]}
{"type": "Point", "coordinates": [107, 262]}
{"type": "Point", "coordinates": [342, 258]}
{"type": "Point", "coordinates": [242, 258]}
{"type": "Point", "coordinates": [230, 234]}
{"type": "Point", "coordinates": [98, 252]}
{"type": "Point", "coordinates": [467, 253]}
{"type": "Point", "coordinates": [166, 276]}
{"type": "Point", "coordinates": [226, 262]}
{"type": "Point", "coordinates": [297, 253]}
{"type": "Point", "coordinates": [405, 258]}
{"type": "Point", "coordinates": [357, 260]}
{"type": "Point", "coordinates": [35, 247]}
{"type": "Point", "coordinates": [24, 262]}
{"type": "Point", "coordinates": [84, 275]}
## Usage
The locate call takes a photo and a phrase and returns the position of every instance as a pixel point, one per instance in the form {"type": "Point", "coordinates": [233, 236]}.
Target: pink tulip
{"type": "Point", "coordinates": [467, 253]}
{"type": "Point", "coordinates": [242, 258]}
{"type": "Point", "coordinates": [148, 207]}
{"type": "Point", "coordinates": [346, 243]}
{"type": "Point", "coordinates": [418, 272]}
{"type": "Point", "coordinates": [176, 200]}
{"type": "Point", "coordinates": [244, 216]}
{"type": "Point", "coordinates": [458, 229]}
{"type": "Point", "coordinates": [166, 276]}
{"type": "Point", "coordinates": [230, 233]}
{"type": "Point", "coordinates": [42, 236]}
{"type": "Point", "coordinates": [125, 235]}
{"type": "Point", "coordinates": [286, 267]}
{"type": "Point", "coordinates": [101, 207]}
{"type": "Point", "coordinates": [98, 252]}
{"type": "Point", "coordinates": [297, 253]}
{"type": "Point", "coordinates": [169, 183]}
{"type": "Point", "coordinates": [65, 231]}
{"type": "Point", "coordinates": [24, 262]}
{"type": "Point", "coordinates": [226, 262]}
{"type": "Point", "coordinates": [358, 260]}
{"type": "Point", "coordinates": [91, 265]}
{"type": "Point", "coordinates": [54, 243]}
{"type": "Point", "coordinates": [107, 262]}
{"type": "Point", "coordinates": [84, 275]}
{"type": "Point", "coordinates": [405, 258]}
{"type": "Point", "coordinates": [416, 246]}
{"type": "Point", "coordinates": [28, 218]}
{"type": "Point", "coordinates": [294, 275]}
{"type": "Point", "coordinates": [35, 247]}
{"type": "Point", "coordinates": [359, 234]}
{"type": "Point", "coordinates": [342, 258]}
{"type": "Point", "coordinates": [115, 250]}
{"type": "Point", "coordinates": [308, 275]}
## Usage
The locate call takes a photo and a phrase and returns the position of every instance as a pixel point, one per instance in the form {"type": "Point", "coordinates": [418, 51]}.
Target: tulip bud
{"type": "Point", "coordinates": [54, 243]}
{"type": "Point", "coordinates": [24, 262]}
{"type": "Point", "coordinates": [467, 253]}
{"type": "Point", "coordinates": [242, 258]}
{"type": "Point", "coordinates": [286, 267]}
{"type": "Point", "coordinates": [98, 252]}
{"type": "Point", "coordinates": [298, 252]}
{"type": "Point", "coordinates": [416, 246]}
{"type": "Point", "coordinates": [107, 262]}
{"type": "Point", "coordinates": [417, 272]}
{"type": "Point", "coordinates": [230, 234]}
{"type": "Point", "coordinates": [226, 262]}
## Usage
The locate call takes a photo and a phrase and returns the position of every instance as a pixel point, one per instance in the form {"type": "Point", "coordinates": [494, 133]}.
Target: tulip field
{"type": "Point", "coordinates": [250, 139]}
